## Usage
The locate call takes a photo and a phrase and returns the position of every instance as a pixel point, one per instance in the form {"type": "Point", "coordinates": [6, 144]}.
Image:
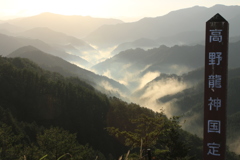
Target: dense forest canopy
{"type": "Point", "coordinates": [46, 114]}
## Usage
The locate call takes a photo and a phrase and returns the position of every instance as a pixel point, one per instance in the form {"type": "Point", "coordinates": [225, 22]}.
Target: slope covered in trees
{"type": "Point", "coordinates": [189, 103]}
{"type": "Point", "coordinates": [44, 114]}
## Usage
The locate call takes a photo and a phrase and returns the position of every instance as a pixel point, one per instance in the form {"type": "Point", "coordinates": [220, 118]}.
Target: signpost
{"type": "Point", "coordinates": [215, 93]}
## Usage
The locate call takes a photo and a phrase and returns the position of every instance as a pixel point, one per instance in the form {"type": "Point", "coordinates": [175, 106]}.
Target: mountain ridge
{"type": "Point", "coordinates": [61, 41]}
{"type": "Point", "coordinates": [73, 25]}
{"type": "Point", "coordinates": [175, 22]}
{"type": "Point", "coordinates": [56, 64]}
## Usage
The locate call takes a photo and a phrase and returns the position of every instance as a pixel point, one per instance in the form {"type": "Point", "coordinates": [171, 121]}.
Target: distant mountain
{"type": "Point", "coordinates": [78, 26]}
{"type": "Point", "coordinates": [138, 62]}
{"type": "Point", "coordinates": [186, 38]}
{"type": "Point", "coordinates": [9, 28]}
{"type": "Point", "coordinates": [9, 44]}
{"type": "Point", "coordinates": [52, 37]}
{"type": "Point", "coordinates": [143, 43]}
{"type": "Point", "coordinates": [189, 79]}
{"type": "Point", "coordinates": [169, 60]}
{"type": "Point", "coordinates": [175, 23]}
{"type": "Point", "coordinates": [63, 42]}
{"type": "Point", "coordinates": [56, 64]}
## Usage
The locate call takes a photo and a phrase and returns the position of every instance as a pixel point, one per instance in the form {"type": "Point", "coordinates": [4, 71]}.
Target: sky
{"type": "Point", "coordinates": [125, 10]}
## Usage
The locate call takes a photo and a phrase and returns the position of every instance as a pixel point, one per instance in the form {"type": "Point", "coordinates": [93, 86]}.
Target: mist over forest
{"type": "Point", "coordinates": [89, 78]}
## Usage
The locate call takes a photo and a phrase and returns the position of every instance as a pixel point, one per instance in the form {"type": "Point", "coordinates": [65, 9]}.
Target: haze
{"type": "Point", "coordinates": [156, 62]}
{"type": "Point", "coordinates": [125, 10]}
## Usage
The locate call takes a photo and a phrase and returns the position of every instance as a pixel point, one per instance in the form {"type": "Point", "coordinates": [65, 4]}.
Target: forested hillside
{"type": "Point", "coordinates": [59, 65]}
{"type": "Point", "coordinates": [46, 114]}
{"type": "Point", "coordinates": [84, 88]}
{"type": "Point", "coordinates": [49, 99]}
{"type": "Point", "coordinates": [189, 102]}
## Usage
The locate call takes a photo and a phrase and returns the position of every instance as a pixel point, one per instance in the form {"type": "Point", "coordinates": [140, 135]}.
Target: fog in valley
{"type": "Point", "coordinates": [157, 63]}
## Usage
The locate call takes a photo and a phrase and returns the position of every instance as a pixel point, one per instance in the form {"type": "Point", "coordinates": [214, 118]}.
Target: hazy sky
{"type": "Point", "coordinates": [122, 9]}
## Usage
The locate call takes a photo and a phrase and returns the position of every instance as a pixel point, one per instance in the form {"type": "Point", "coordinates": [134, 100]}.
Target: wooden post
{"type": "Point", "coordinates": [215, 89]}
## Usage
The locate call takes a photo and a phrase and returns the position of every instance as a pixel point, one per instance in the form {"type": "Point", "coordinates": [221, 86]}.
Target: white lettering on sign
{"type": "Point", "coordinates": [215, 58]}
{"type": "Point", "coordinates": [216, 35]}
{"type": "Point", "coordinates": [213, 149]}
{"type": "Point", "coordinates": [214, 81]}
{"type": "Point", "coordinates": [214, 126]}
{"type": "Point", "coordinates": [217, 103]}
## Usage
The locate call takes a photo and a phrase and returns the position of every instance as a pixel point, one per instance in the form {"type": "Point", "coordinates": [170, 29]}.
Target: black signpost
{"type": "Point", "coordinates": [215, 93]}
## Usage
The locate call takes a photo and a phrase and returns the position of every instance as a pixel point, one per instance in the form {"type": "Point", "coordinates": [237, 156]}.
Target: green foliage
{"type": "Point", "coordinates": [171, 141]}
{"type": "Point", "coordinates": [49, 98]}
{"type": "Point", "coordinates": [16, 143]}
{"type": "Point", "coordinates": [33, 94]}
{"type": "Point", "coordinates": [155, 132]}
{"type": "Point", "coordinates": [56, 142]}
{"type": "Point", "coordinates": [48, 114]}
{"type": "Point", "coordinates": [10, 145]}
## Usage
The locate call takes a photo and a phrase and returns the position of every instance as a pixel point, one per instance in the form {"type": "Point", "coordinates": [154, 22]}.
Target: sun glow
{"type": "Point", "coordinates": [121, 9]}
{"type": "Point", "coordinates": [70, 7]}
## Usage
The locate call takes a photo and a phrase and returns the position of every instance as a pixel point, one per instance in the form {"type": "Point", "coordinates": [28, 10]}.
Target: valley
{"type": "Point", "coordinates": [157, 63]}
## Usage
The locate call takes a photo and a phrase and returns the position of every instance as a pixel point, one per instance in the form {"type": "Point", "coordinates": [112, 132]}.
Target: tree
{"type": "Point", "coordinates": [56, 142]}
{"type": "Point", "coordinates": [9, 143]}
{"type": "Point", "coordinates": [145, 134]}
{"type": "Point", "coordinates": [159, 133]}
{"type": "Point", "coordinates": [171, 143]}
